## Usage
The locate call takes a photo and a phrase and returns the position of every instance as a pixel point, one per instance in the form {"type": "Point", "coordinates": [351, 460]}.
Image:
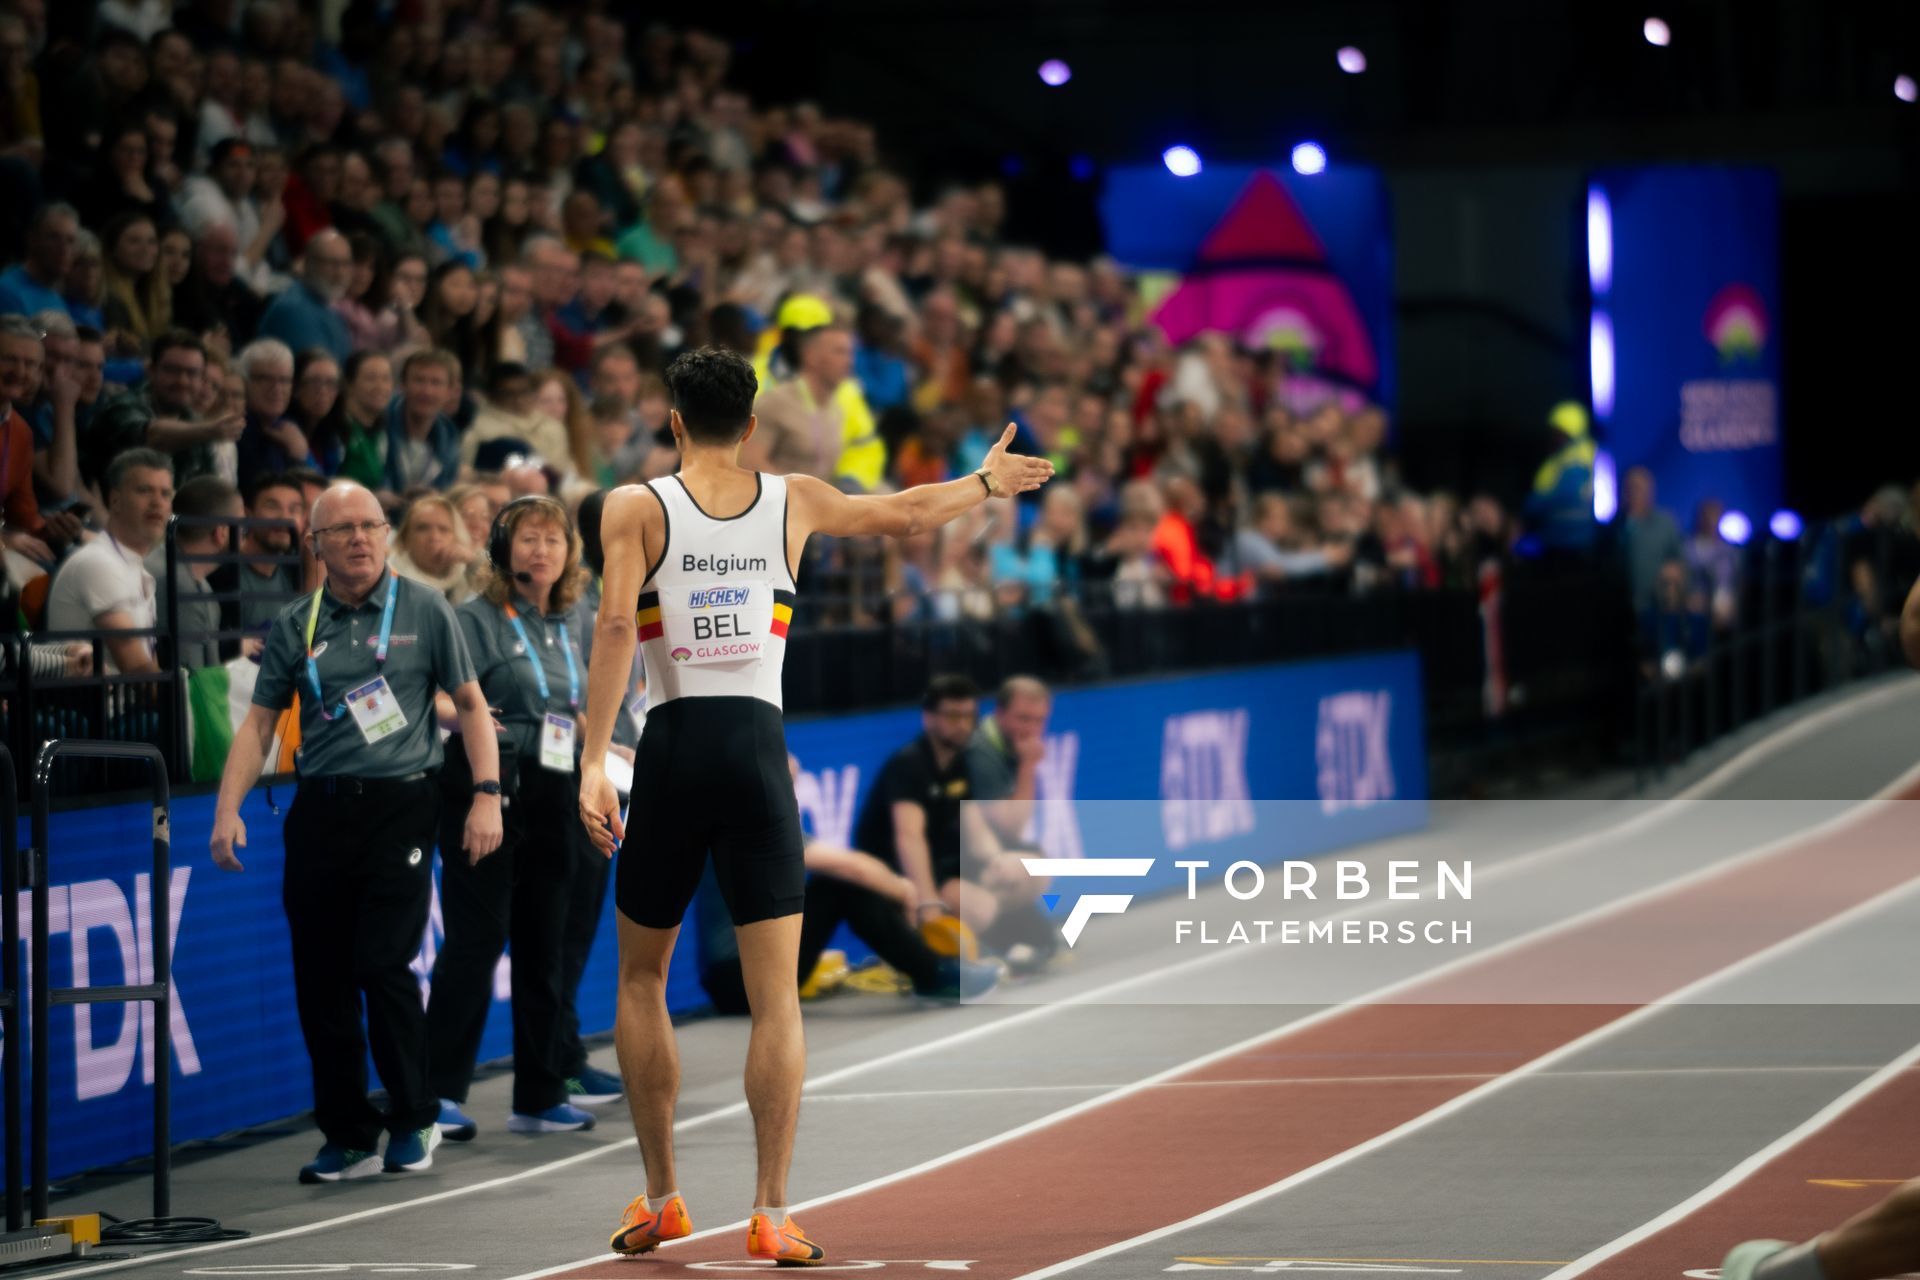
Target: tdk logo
{"type": "Point", "coordinates": [99, 910]}
{"type": "Point", "coordinates": [1350, 748]}
{"type": "Point", "coordinates": [1203, 778]}
{"type": "Point", "coordinates": [826, 799]}
{"type": "Point", "coordinates": [717, 597]}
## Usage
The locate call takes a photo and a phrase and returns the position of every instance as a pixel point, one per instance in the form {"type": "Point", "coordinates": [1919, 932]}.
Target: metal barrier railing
{"type": "Point", "coordinates": [158, 992]}
{"type": "Point", "coordinates": [1782, 648]}
{"type": "Point", "coordinates": [10, 995]}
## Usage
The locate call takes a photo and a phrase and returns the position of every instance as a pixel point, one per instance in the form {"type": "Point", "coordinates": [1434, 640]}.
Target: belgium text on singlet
{"type": "Point", "coordinates": [713, 617]}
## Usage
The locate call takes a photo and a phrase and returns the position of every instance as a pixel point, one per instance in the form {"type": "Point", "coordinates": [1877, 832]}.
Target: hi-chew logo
{"type": "Point", "coordinates": [1091, 904]}
{"type": "Point", "coordinates": [718, 597]}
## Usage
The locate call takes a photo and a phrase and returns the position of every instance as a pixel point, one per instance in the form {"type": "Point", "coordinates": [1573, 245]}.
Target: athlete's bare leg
{"type": "Point", "coordinates": [776, 1050]}
{"type": "Point", "coordinates": [649, 1058]}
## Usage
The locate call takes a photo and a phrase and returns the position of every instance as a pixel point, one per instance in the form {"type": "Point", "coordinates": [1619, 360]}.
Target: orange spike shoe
{"type": "Point", "coordinates": [785, 1244]}
{"type": "Point", "coordinates": [642, 1230]}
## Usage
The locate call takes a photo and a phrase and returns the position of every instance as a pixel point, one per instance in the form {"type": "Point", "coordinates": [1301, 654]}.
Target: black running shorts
{"type": "Point", "coordinates": [710, 775]}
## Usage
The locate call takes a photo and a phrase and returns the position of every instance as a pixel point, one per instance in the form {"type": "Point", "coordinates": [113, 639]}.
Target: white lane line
{"type": "Point", "coordinates": [1600, 911]}
{"type": "Point", "coordinates": [1756, 751]}
{"type": "Point", "coordinates": [1615, 1073]}
{"type": "Point", "coordinates": [1472, 1097]}
{"type": "Point", "coordinates": [1745, 1169]}
{"type": "Point", "coordinates": [1800, 729]}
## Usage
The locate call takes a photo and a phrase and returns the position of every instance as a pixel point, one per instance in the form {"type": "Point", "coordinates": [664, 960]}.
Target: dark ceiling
{"type": "Point", "coordinates": [1448, 81]}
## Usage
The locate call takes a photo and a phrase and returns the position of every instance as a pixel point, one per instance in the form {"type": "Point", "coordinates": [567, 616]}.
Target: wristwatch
{"type": "Point", "coordinates": [986, 478]}
{"type": "Point", "coordinates": [486, 788]}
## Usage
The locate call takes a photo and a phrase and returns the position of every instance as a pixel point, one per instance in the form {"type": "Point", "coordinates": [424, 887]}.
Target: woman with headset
{"type": "Point", "coordinates": [525, 631]}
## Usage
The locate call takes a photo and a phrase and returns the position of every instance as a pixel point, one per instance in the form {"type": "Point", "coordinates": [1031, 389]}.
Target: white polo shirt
{"type": "Point", "coordinates": [101, 577]}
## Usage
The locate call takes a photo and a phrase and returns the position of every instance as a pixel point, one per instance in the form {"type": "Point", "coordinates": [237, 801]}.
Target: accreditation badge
{"type": "Point", "coordinates": [376, 710]}
{"type": "Point", "coordinates": [556, 743]}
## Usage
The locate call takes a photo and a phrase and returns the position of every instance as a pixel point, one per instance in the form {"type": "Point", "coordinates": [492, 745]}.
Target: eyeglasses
{"type": "Point", "coordinates": [274, 379]}
{"type": "Point", "coordinates": [346, 532]}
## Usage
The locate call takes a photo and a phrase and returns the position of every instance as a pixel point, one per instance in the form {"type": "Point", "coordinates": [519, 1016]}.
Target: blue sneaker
{"type": "Point", "coordinates": [961, 980]}
{"type": "Point", "coordinates": [412, 1152]}
{"type": "Point", "coordinates": [454, 1124]}
{"type": "Point", "coordinates": [564, 1118]}
{"type": "Point", "coordinates": [592, 1088]}
{"type": "Point", "coordinates": [336, 1163]}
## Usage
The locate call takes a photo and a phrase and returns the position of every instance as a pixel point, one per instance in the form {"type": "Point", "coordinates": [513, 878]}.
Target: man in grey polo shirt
{"type": "Point", "coordinates": [360, 832]}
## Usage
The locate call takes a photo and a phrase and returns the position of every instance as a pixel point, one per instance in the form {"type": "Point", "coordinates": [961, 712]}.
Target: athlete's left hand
{"type": "Point", "coordinates": [1014, 473]}
{"type": "Point", "coordinates": [600, 810]}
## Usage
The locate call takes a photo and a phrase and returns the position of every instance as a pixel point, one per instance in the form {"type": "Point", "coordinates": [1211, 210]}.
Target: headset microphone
{"type": "Point", "coordinates": [500, 536]}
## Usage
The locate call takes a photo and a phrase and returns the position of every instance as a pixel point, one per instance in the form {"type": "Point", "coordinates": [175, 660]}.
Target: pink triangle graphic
{"type": "Point", "coordinates": [1262, 222]}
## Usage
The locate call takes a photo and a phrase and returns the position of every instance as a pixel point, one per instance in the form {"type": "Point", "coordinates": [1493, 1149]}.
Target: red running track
{"type": "Point", "coordinates": [1160, 1155]}
{"type": "Point", "coordinates": [1845, 1166]}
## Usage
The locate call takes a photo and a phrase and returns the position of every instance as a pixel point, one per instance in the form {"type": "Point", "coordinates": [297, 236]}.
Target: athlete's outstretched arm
{"type": "Point", "coordinates": [1910, 626]}
{"type": "Point", "coordinates": [614, 637]}
{"type": "Point", "coordinates": [821, 508]}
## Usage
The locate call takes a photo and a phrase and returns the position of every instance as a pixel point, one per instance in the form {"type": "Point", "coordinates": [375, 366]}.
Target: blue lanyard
{"type": "Point", "coordinates": [379, 654]}
{"type": "Point", "coordinates": [539, 671]}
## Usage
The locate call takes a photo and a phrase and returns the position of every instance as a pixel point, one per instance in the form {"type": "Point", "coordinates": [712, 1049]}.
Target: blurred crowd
{"type": "Point", "coordinates": [448, 249]}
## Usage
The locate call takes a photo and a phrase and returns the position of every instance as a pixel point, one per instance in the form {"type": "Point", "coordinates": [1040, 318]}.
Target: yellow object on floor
{"type": "Point", "coordinates": [829, 975]}
{"type": "Point", "coordinates": [948, 936]}
{"type": "Point", "coordinates": [878, 978]}
{"type": "Point", "coordinates": [83, 1227]}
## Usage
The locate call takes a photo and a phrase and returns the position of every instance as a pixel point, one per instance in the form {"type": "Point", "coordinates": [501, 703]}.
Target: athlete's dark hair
{"type": "Point", "coordinates": [713, 389]}
{"type": "Point", "coordinates": [587, 522]}
{"type": "Point", "coordinates": [950, 688]}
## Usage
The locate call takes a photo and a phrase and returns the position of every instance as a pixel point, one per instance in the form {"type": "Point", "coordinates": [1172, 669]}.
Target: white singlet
{"type": "Point", "coordinates": [713, 614]}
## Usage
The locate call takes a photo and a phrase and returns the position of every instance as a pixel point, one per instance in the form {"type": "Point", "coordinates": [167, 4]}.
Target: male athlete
{"type": "Point", "coordinates": [715, 549]}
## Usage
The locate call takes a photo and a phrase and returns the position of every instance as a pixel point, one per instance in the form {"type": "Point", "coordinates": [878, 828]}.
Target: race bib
{"type": "Point", "coordinates": [724, 623]}
{"type": "Point", "coordinates": [376, 710]}
{"type": "Point", "coordinates": [556, 743]}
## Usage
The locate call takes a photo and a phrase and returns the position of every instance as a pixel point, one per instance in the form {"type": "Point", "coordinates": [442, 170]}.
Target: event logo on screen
{"type": "Point", "coordinates": [1728, 414]}
{"type": "Point", "coordinates": [1736, 324]}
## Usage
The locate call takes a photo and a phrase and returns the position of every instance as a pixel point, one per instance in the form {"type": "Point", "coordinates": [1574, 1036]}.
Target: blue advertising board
{"type": "Point", "coordinates": [1345, 735]}
{"type": "Point", "coordinates": [1685, 273]}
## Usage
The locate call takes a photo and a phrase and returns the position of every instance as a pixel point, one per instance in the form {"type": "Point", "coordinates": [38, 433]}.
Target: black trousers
{"type": "Point", "coordinates": [356, 890]}
{"type": "Point", "coordinates": [593, 872]}
{"type": "Point", "coordinates": [521, 891]}
{"type": "Point", "coordinates": [875, 920]}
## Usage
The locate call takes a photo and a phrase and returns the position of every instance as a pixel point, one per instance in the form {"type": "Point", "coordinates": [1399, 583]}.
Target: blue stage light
{"type": "Point", "coordinates": [1181, 161]}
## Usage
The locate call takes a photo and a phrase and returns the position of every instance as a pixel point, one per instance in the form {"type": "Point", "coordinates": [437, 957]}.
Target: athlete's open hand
{"type": "Point", "coordinates": [1014, 473]}
{"type": "Point", "coordinates": [600, 810]}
